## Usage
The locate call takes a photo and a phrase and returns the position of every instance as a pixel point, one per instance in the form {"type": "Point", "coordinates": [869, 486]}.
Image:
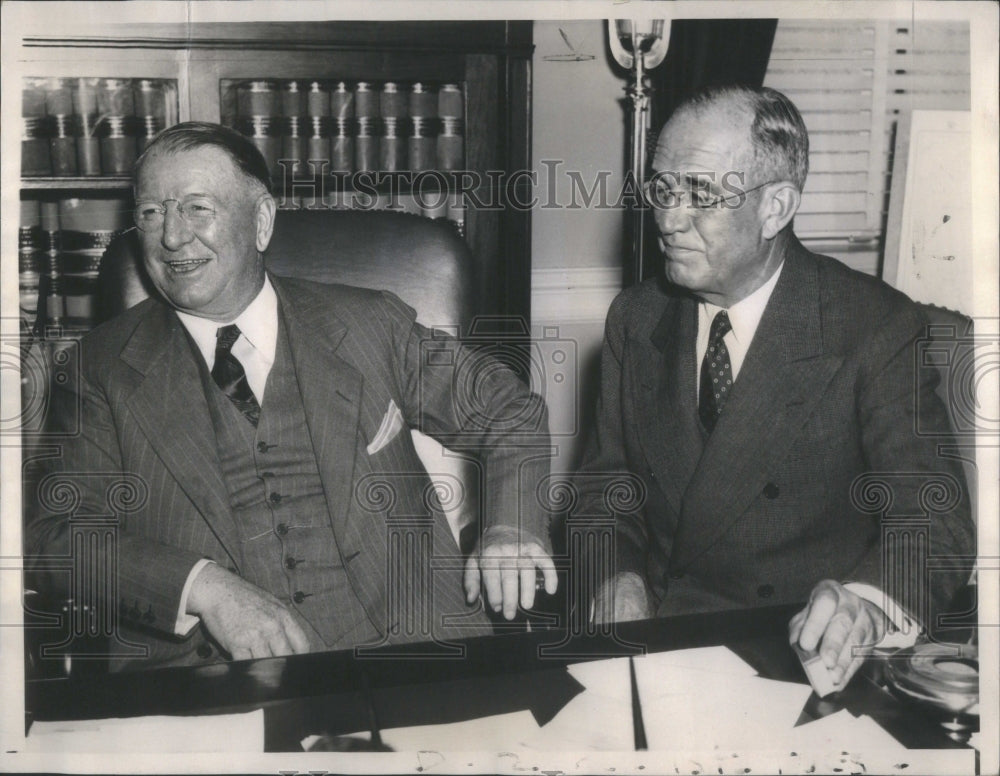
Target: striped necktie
{"type": "Point", "coordinates": [230, 376]}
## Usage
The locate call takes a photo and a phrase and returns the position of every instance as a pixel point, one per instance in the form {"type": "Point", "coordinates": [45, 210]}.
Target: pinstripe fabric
{"type": "Point", "coordinates": [353, 350]}
{"type": "Point", "coordinates": [761, 510]}
{"type": "Point", "coordinates": [287, 545]}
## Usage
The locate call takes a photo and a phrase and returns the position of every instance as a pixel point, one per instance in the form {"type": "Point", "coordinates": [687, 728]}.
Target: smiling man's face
{"type": "Point", "coordinates": [212, 269]}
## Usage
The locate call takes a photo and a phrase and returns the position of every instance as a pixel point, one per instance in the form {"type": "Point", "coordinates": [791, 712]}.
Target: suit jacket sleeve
{"type": "Point", "coordinates": [904, 430]}
{"type": "Point", "coordinates": [473, 403]}
{"type": "Point", "coordinates": [81, 490]}
{"type": "Point", "coordinates": [605, 461]}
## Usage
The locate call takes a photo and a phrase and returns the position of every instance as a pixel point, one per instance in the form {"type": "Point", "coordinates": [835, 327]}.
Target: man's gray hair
{"type": "Point", "coordinates": [191, 135]}
{"type": "Point", "coordinates": [778, 133]}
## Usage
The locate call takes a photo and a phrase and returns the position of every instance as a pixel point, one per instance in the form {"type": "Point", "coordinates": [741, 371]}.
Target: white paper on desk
{"type": "Point", "coordinates": [842, 731]}
{"type": "Point", "coordinates": [736, 714]}
{"type": "Point", "coordinates": [689, 672]}
{"type": "Point", "coordinates": [714, 660]}
{"type": "Point", "coordinates": [490, 734]}
{"type": "Point", "coordinates": [589, 722]}
{"type": "Point", "coordinates": [599, 719]}
{"type": "Point", "coordinates": [607, 678]}
{"type": "Point", "coordinates": [208, 733]}
{"type": "Point", "coordinates": [707, 698]}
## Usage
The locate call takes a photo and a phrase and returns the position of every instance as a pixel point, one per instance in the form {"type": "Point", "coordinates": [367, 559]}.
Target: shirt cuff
{"type": "Point", "coordinates": [185, 622]}
{"type": "Point", "coordinates": [905, 628]}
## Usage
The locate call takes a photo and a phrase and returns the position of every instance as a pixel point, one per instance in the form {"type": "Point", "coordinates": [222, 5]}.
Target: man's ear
{"type": "Point", "coordinates": [265, 221]}
{"type": "Point", "coordinates": [779, 206]}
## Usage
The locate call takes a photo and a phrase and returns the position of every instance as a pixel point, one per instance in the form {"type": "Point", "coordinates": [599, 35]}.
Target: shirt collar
{"type": "Point", "coordinates": [258, 323]}
{"type": "Point", "coordinates": [745, 315]}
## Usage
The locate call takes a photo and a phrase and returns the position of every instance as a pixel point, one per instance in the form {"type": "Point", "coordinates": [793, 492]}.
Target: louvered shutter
{"type": "Point", "coordinates": [851, 80]}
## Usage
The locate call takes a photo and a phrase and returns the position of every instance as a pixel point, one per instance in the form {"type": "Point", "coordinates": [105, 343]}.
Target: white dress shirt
{"type": "Point", "coordinates": [744, 316]}
{"type": "Point", "coordinates": [255, 349]}
{"type": "Point", "coordinates": [257, 342]}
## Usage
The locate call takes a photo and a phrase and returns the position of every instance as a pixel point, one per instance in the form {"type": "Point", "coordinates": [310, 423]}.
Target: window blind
{"type": "Point", "coordinates": [851, 80]}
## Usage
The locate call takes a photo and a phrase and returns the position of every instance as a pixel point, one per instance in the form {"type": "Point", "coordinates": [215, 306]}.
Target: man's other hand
{"type": "Point", "coordinates": [507, 559]}
{"type": "Point", "coordinates": [622, 598]}
{"type": "Point", "coordinates": [835, 622]}
{"type": "Point", "coordinates": [246, 621]}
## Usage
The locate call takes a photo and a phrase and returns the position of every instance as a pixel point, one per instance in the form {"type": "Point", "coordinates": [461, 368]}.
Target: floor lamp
{"type": "Point", "coordinates": [638, 45]}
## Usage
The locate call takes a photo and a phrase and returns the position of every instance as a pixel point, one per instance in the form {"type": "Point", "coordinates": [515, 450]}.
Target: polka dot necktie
{"type": "Point", "coordinates": [716, 373]}
{"type": "Point", "coordinates": [230, 376]}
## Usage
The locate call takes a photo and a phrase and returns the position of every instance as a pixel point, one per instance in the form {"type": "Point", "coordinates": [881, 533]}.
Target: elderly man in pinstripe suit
{"type": "Point", "coordinates": [263, 416]}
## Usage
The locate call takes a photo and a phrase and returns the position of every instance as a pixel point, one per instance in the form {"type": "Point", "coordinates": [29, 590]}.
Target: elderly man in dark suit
{"type": "Point", "coordinates": [751, 389]}
{"type": "Point", "coordinates": [263, 421]}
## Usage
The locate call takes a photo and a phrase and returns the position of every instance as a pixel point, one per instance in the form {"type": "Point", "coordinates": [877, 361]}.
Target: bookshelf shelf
{"type": "Point", "coordinates": [117, 183]}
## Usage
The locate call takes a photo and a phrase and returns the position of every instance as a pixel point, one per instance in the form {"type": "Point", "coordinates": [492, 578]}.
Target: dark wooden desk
{"type": "Point", "coordinates": [336, 692]}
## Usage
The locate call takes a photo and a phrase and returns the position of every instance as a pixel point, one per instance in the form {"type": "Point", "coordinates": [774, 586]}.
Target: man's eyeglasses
{"type": "Point", "coordinates": [197, 213]}
{"type": "Point", "coordinates": [660, 196]}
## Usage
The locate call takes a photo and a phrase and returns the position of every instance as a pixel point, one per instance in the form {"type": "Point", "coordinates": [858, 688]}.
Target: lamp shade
{"type": "Point", "coordinates": [647, 38]}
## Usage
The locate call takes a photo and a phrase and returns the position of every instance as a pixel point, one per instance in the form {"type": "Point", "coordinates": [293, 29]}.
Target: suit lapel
{"type": "Point", "coordinates": [665, 374]}
{"type": "Point", "coordinates": [784, 374]}
{"type": "Point", "coordinates": [331, 392]}
{"type": "Point", "coordinates": [169, 406]}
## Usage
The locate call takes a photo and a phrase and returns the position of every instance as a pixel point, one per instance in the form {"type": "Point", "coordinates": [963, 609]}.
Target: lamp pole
{"type": "Point", "coordinates": [638, 45]}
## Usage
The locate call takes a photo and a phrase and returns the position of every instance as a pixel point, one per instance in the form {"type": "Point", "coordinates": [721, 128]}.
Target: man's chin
{"type": "Point", "coordinates": [185, 299]}
{"type": "Point", "coordinates": [676, 273]}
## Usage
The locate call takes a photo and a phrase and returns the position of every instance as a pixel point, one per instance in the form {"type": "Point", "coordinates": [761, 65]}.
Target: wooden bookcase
{"type": "Point", "coordinates": [491, 60]}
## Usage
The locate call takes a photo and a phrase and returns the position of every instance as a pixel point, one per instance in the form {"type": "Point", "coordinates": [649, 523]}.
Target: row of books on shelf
{"type": "Point", "coordinates": [380, 146]}
{"type": "Point", "coordinates": [351, 127]}
{"type": "Point", "coordinates": [344, 100]}
{"type": "Point", "coordinates": [60, 245]}
{"type": "Point", "coordinates": [90, 96]}
{"type": "Point", "coordinates": [87, 127]}
{"type": "Point", "coordinates": [91, 126]}
{"type": "Point", "coordinates": [312, 150]}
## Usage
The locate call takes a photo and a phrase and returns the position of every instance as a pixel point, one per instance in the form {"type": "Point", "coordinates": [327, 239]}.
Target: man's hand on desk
{"type": "Point", "coordinates": [835, 622]}
{"type": "Point", "coordinates": [246, 621]}
{"type": "Point", "coordinates": [507, 561]}
{"type": "Point", "coordinates": [622, 598]}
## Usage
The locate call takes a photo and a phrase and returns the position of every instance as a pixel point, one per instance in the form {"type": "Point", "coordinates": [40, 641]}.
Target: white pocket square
{"type": "Point", "coordinates": [392, 424]}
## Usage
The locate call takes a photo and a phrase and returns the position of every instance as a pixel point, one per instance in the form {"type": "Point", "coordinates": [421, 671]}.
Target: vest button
{"type": "Point", "coordinates": [291, 563]}
{"type": "Point", "coordinates": [262, 447]}
{"type": "Point", "coordinates": [275, 498]}
{"type": "Point", "coordinates": [771, 490]}
{"type": "Point", "coordinates": [281, 529]}
{"type": "Point", "coordinates": [299, 596]}
{"type": "Point", "coordinates": [676, 574]}
{"type": "Point", "coordinates": [204, 651]}
{"type": "Point", "coordinates": [765, 591]}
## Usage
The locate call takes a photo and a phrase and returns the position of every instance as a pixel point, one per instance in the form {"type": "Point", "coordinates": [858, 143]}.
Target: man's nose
{"type": "Point", "coordinates": [177, 231]}
{"type": "Point", "coordinates": [672, 219]}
